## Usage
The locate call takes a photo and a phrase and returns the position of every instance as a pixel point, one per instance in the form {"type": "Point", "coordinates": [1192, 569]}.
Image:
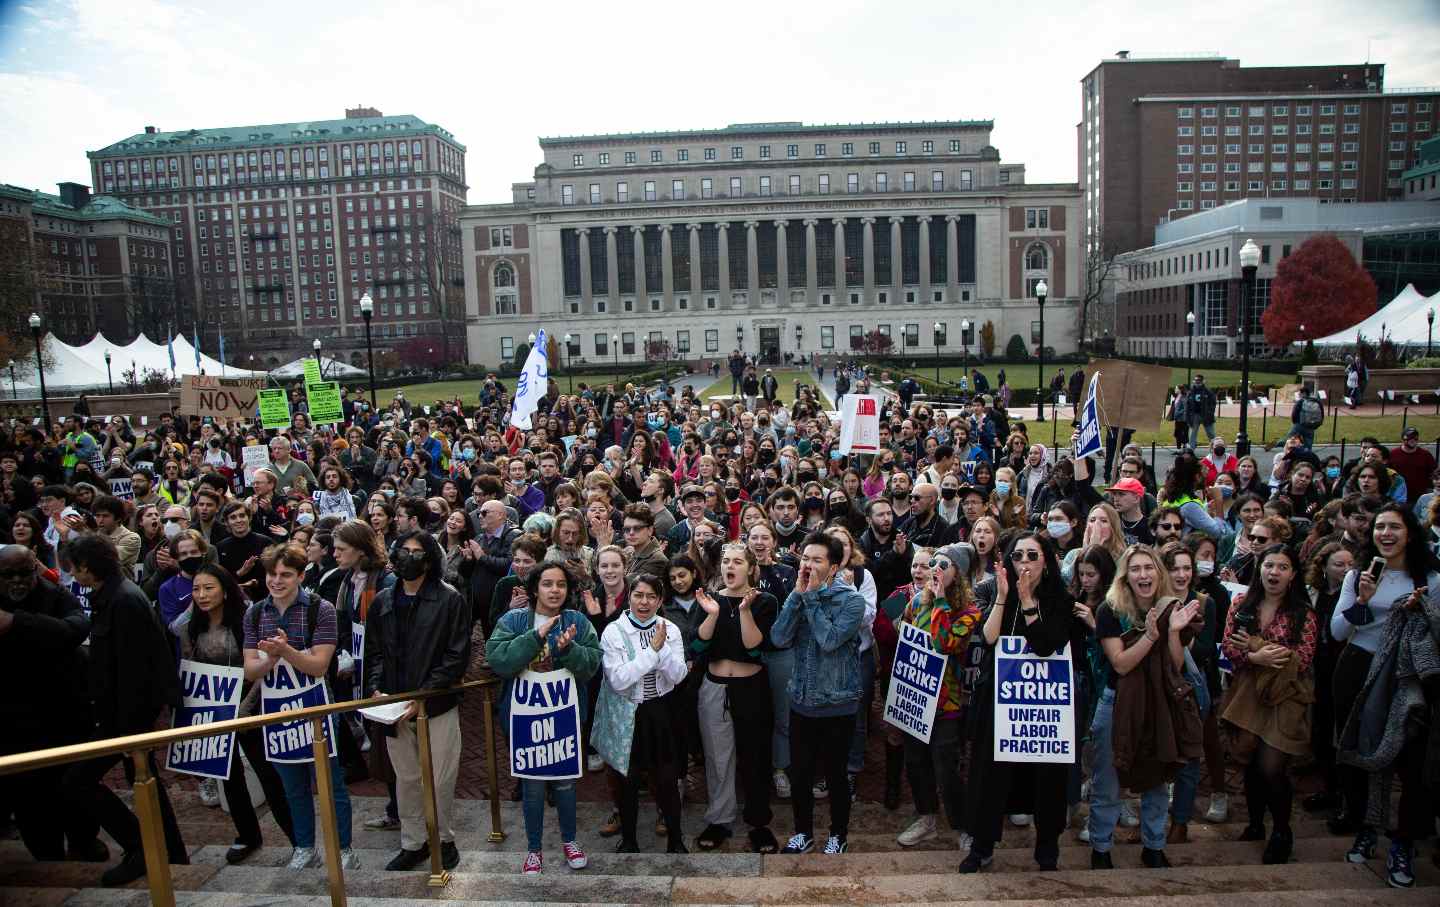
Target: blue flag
{"type": "Point", "coordinates": [1089, 441]}
{"type": "Point", "coordinates": [531, 384]}
{"type": "Point", "coordinates": [170, 348]}
{"type": "Point", "coordinates": [195, 329]}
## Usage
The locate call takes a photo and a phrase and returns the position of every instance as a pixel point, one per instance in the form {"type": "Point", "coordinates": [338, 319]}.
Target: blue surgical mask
{"type": "Point", "coordinates": [647, 624]}
{"type": "Point", "coordinates": [1002, 488]}
{"type": "Point", "coordinates": [1226, 491]}
{"type": "Point", "coordinates": [835, 455]}
{"type": "Point", "coordinates": [1332, 472]}
{"type": "Point", "coordinates": [1057, 528]}
{"type": "Point", "coordinates": [467, 453]}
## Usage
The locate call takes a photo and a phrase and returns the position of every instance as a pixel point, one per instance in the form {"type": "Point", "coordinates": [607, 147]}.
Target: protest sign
{"type": "Point", "coordinates": [219, 398]}
{"type": "Point", "coordinates": [1132, 394]}
{"type": "Point", "coordinates": [1034, 704]}
{"type": "Point", "coordinates": [256, 456]}
{"type": "Point", "coordinates": [274, 408]}
{"type": "Point", "coordinates": [1089, 442]}
{"type": "Point", "coordinates": [860, 424]}
{"type": "Point", "coordinates": [122, 488]}
{"type": "Point", "coordinates": [545, 726]}
{"type": "Point", "coordinates": [285, 689]}
{"type": "Point", "coordinates": [915, 682]}
{"type": "Point", "coordinates": [357, 652]}
{"type": "Point", "coordinates": [324, 400]}
{"type": "Point", "coordinates": [210, 693]}
{"type": "Point", "coordinates": [312, 371]}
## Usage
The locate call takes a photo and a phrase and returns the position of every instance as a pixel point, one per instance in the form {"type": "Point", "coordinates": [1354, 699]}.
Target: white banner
{"type": "Point", "coordinates": [256, 456]}
{"type": "Point", "coordinates": [915, 682]}
{"type": "Point", "coordinates": [531, 384]}
{"type": "Point", "coordinates": [1034, 704]}
{"type": "Point", "coordinates": [860, 424]}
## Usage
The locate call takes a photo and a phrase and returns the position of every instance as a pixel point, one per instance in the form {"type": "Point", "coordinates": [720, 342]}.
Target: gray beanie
{"type": "Point", "coordinates": [961, 554]}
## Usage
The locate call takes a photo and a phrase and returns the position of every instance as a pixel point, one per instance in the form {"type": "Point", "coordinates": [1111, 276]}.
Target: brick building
{"type": "Point", "coordinates": [280, 229]}
{"type": "Point", "coordinates": [774, 238]}
{"type": "Point", "coordinates": [84, 263]}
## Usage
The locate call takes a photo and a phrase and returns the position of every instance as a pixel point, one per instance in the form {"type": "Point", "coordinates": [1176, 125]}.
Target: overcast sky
{"type": "Point", "coordinates": [76, 75]}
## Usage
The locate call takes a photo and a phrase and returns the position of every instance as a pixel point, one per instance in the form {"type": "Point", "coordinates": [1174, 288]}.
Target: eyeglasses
{"type": "Point", "coordinates": [634, 528]}
{"type": "Point", "coordinates": [1024, 554]}
{"type": "Point", "coordinates": [174, 519]}
{"type": "Point", "coordinates": [940, 563]}
{"type": "Point", "coordinates": [1258, 538]}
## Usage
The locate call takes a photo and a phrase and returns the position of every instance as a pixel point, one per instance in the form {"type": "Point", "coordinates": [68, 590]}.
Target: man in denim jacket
{"type": "Point", "coordinates": [821, 620]}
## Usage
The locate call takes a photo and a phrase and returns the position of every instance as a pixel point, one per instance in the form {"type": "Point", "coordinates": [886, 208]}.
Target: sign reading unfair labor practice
{"type": "Point", "coordinates": [210, 693]}
{"type": "Point", "coordinates": [1034, 704]}
{"type": "Point", "coordinates": [285, 689]}
{"type": "Point", "coordinates": [545, 726]}
{"type": "Point", "coordinates": [915, 682]}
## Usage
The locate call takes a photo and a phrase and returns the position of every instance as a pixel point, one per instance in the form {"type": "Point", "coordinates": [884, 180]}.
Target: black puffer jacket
{"type": "Point", "coordinates": [132, 665]}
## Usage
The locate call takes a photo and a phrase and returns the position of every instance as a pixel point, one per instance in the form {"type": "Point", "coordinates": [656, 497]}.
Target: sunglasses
{"type": "Point", "coordinates": [630, 529]}
{"type": "Point", "coordinates": [1024, 554]}
{"type": "Point", "coordinates": [940, 563]}
{"type": "Point", "coordinates": [1259, 538]}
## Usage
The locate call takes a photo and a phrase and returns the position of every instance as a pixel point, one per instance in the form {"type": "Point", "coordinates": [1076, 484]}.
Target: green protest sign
{"type": "Point", "coordinates": [324, 400]}
{"type": "Point", "coordinates": [274, 408]}
{"type": "Point", "coordinates": [312, 371]}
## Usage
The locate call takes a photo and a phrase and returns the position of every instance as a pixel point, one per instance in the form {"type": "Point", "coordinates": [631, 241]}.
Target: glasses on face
{"type": "Point", "coordinates": [633, 528]}
{"type": "Point", "coordinates": [174, 519]}
{"type": "Point", "coordinates": [1258, 539]}
{"type": "Point", "coordinates": [940, 563]}
{"type": "Point", "coordinates": [1020, 555]}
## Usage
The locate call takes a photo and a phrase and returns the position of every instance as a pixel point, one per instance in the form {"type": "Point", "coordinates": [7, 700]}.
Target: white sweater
{"type": "Point", "coordinates": [650, 674]}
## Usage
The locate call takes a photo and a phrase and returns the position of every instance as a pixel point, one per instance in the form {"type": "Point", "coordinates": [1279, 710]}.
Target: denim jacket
{"type": "Point", "coordinates": [824, 629]}
{"type": "Point", "coordinates": [513, 647]}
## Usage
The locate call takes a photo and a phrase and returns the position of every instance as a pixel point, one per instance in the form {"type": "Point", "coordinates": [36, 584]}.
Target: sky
{"type": "Point", "coordinates": [77, 75]}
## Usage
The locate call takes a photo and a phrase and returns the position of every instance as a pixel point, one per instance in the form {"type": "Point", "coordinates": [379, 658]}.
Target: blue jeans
{"type": "Point", "coordinates": [534, 796]}
{"type": "Point", "coordinates": [1195, 431]}
{"type": "Point", "coordinates": [780, 664]}
{"type": "Point", "coordinates": [1305, 433]}
{"type": "Point", "coordinates": [1182, 803]}
{"type": "Point", "coordinates": [299, 781]}
{"type": "Point", "coordinates": [856, 762]}
{"type": "Point", "coordinates": [1105, 789]}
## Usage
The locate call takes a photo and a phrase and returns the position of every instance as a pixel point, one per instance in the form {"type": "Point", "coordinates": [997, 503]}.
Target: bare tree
{"type": "Point", "coordinates": [427, 255]}
{"type": "Point", "coordinates": [1099, 262]}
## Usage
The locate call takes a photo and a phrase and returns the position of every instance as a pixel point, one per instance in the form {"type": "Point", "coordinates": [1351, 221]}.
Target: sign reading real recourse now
{"type": "Point", "coordinates": [219, 398]}
{"type": "Point", "coordinates": [1034, 704]}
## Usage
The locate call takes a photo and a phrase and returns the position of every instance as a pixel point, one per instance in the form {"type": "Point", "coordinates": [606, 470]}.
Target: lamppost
{"type": "Point", "coordinates": [1429, 329]}
{"type": "Point", "coordinates": [109, 379]}
{"type": "Point", "coordinates": [799, 344]}
{"type": "Point", "coordinates": [1190, 353]}
{"type": "Point", "coordinates": [1249, 263]}
{"type": "Point", "coordinates": [569, 379]}
{"type": "Point", "coordinates": [615, 346]}
{"type": "Point", "coordinates": [938, 328]}
{"type": "Point", "coordinates": [1042, 289]}
{"type": "Point", "coordinates": [965, 348]}
{"type": "Point", "coordinates": [40, 368]}
{"type": "Point", "coordinates": [367, 311]}
{"type": "Point", "coordinates": [740, 337]}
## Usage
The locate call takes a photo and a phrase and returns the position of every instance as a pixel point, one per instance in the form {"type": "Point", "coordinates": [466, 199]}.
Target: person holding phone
{"type": "Point", "coordinates": [1395, 571]}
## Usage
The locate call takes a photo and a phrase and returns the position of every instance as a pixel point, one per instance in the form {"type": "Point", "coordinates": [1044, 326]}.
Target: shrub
{"type": "Point", "coordinates": [1016, 350]}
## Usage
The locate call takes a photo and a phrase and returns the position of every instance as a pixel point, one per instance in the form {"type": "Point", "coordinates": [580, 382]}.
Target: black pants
{"type": "Point", "coordinates": [1323, 718]}
{"type": "Point", "coordinates": [86, 795]}
{"type": "Point", "coordinates": [237, 791]}
{"type": "Point", "coordinates": [32, 796]}
{"type": "Point", "coordinates": [1351, 669]}
{"type": "Point", "coordinates": [826, 739]}
{"type": "Point", "coordinates": [937, 765]}
{"type": "Point", "coordinates": [1043, 783]}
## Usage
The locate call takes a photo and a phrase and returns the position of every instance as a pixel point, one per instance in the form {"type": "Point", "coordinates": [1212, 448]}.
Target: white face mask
{"type": "Point", "coordinates": [304, 518]}
{"type": "Point", "coordinates": [1205, 568]}
{"type": "Point", "coordinates": [172, 530]}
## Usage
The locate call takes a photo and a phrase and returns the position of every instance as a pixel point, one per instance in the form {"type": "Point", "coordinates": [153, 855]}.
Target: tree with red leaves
{"type": "Point", "coordinates": [1321, 286]}
{"type": "Point", "coordinates": [426, 352]}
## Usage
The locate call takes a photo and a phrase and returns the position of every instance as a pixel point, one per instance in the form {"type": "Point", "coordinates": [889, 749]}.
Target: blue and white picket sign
{"type": "Point", "coordinates": [915, 682]}
{"type": "Point", "coordinates": [357, 652]}
{"type": "Point", "coordinates": [1034, 704]}
{"type": "Point", "coordinates": [1088, 444]}
{"type": "Point", "coordinates": [285, 689]}
{"type": "Point", "coordinates": [209, 693]}
{"type": "Point", "coordinates": [545, 726]}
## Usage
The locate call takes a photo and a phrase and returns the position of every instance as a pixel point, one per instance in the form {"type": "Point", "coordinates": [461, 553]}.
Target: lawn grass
{"type": "Point", "coordinates": [424, 393]}
{"type": "Point", "coordinates": [1022, 374]}
{"type": "Point", "coordinates": [1274, 428]}
{"type": "Point", "coordinates": [787, 378]}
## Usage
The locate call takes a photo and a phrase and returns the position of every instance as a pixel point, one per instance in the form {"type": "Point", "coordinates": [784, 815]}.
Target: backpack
{"type": "Point", "coordinates": [1311, 413]}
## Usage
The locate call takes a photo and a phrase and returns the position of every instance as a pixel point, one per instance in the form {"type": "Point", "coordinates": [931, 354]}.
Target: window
{"type": "Point", "coordinates": [1209, 130]}
{"type": "Point", "coordinates": [1422, 126]}
{"type": "Point", "coordinates": [629, 157]}
{"type": "Point", "coordinates": [602, 345]}
{"type": "Point", "coordinates": [1302, 147]}
{"type": "Point", "coordinates": [1207, 185]}
{"type": "Point", "coordinates": [649, 190]}
{"type": "Point", "coordinates": [1207, 112]}
{"type": "Point", "coordinates": [594, 193]}
{"type": "Point", "coordinates": [499, 237]}
{"type": "Point", "coordinates": [677, 189]}
{"type": "Point", "coordinates": [1184, 149]}
{"type": "Point", "coordinates": [1302, 128]}
{"type": "Point", "coordinates": [1255, 185]}
{"type": "Point", "coordinates": [1352, 110]}
{"type": "Point", "coordinates": [1257, 111]}
{"type": "Point", "coordinates": [712, 340]}
{"type": "Point", "coordinates": [827, 336]}
{"type": "Point", "coordinates": [1232, 149]}
{"type": "Point", "coordinates": [1327, 128]}
{"type": "Point", "coordinates": [707, 187]}
{"type": "Point", "coordinates": [1232, 166]}
{"type": "Point", "coordinates": [874, 147]}
{"type": "Point", "coordinates": [567, 195]}
{"type": "Point", "coordinates": [657, 156]}
{"type": "Point", "coordinates": [954, 146]}
{"type": "Point", "coordinates": [737, 153]}
{"type": "Point", "coordinates": [857, 336]}
{"type": "Point", "coordinates": [507, 348]}
{"type": "Point", "coordinates": [965, 180]}
{"type": "Point", "coordinates": [735, 187]}
{"type": "Point", "coordinates": [1185, 167]}
{"type": "Point", "coordinates": [1232, 111]}
{"type": "Point", "coordinates": [604, 158]}
{"type": "Point", "coordinates": [1185, 113]}
{"type": "Point", "coordinates": [1279, 149]}
{"type": "Point", "coordinates": [1232, 130]}
{"type": "Point", "coordinates": [900, 147]}
{"type": "Point", "coordinates": [882, 182]}
{"type": "Point", "coordinates": [622, 192]}
{"type": "Point", "coordinates": [683, 154]}
{"type": "Point", "coordinates": [824, 184]}
{"type": "Point", "coordinates": [1255, 148]}
{"type": "Point", "coordinates": [1347, 184]}
{"type": "Point", "coordinates": [764, 186]}
{"type": "Point", "coordinates": [1327, 147]}
{"type": "Point", "coordinates": [1257, 129]}
{"type": "Point", "coordinates": [794, 184]}
{"type": "Point", "coordinates": [1350, 147]}
{"type": "Point", "coordinates": [627, 343]}
{"type": "Point", "coordinates": [819, 149]}
{"type": "Point", "coordinates": [847, 149]}
{"type": "Point", "coordinates": [764, 152]}
{"type": "Point", "coordinates": [1280, 129]}
{"type": "Point", "coordinates": [1184, 187]}
{"type": "Point", "coordinates": [1278, 185]}
{"type": "Point", "coordinates": [682, 341]}
{"type": "Point", "coordinates": [1185, 130]}
{"type": "Point", "coordinates": [577, 160]}
{"type": "Point", "coordinates": [1037, 218]}
{"type": "Point", "coordinates": [937, 180]}
{"type": "Point", "coordinates": [1037, 257]}
{"type": "Point", "coordinates": [792, 151]}
{"type": "Point", "coordinates": [1232, 185]}
{"type": "Point", "coordinates": [709, 154]}
{"type": "Point", "coordinates": [852, 183]}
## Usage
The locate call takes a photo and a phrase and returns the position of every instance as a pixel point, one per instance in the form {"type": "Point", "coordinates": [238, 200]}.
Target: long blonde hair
{"type": "Point", "coordinates": [1121, 599]}
{"type": "Point", "coordinates": [1116, 543]}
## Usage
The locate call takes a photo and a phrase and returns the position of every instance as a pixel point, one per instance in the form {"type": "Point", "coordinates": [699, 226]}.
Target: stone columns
{"type": "Point", "coordinates": [586, 295]}
{"type": "Point", "coordinates": [839, 223]}
{"type": "Point", "coordinates": [637, 235]}
{"type": "Point", "coordinates": [724, 246]}
{"type": "Point", "coordinates": [752, 262]}
{"type": "Point", "coordinates": [695, 287]}
{"type": "Point", "coordinates": [782, 263]}
{"type": "Point", "coordinates": [667, 267]}
{"type": "Point", "coordinates": [924, 290]}
{"type": "Point", "coordinates": [897, 261]}
{"type": "Point", "coordinates": [612, 268]}
{"type": "Point", "coordinates": [869, 244]}
{"type": "Point", "coordinates": [952, 257]}
{"type": "Point", "coordinates": [812, 278]}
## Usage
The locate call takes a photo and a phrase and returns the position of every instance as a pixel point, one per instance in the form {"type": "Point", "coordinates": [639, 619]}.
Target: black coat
{"type": "Point", "coordinates": [425, 648]}
{"type": "Point", "coordinates": [891, 570]}
{"type": "Point", "coordinates": [42, 669]}
{"type": "Point", "coordinates": [485, 571]}
{"type": "Point", "coordinates": [132, 664]}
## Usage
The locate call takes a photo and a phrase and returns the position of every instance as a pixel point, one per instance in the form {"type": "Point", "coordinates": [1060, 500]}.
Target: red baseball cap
{"type": "Point", "coordinates": [1132, 486]}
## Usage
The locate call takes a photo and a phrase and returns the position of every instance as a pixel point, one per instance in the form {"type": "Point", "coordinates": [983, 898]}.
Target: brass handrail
{"type": "Point", "coordinates": [147, 800]}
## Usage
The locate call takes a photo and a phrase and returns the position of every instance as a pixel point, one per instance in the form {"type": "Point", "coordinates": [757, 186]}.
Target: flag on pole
{"type": "Point", "coordinates": [1089, 441]}
{"type": "Point", "coordinates": [170, 348]}
{"type": "Point", "coordinates": [531, 385]}
{"type": "Point", "coordinates": [222, 349]}
{"type": "Point", "coordinates": [195, 329]}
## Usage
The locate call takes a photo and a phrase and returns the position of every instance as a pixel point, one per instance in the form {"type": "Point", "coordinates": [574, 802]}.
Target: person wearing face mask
{"type": "Point", "coordinates": [189, 552]}
{"type": "Point", "coordinates": [949, 506]}
{"type": "Point", "coordinates": [417, 637]}
{"type": "Point", "coordinates": [1220, 460]}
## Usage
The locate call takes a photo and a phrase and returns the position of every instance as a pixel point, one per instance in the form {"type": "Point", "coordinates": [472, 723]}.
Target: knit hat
{"type": "Point", "coordinates": [961, 554]}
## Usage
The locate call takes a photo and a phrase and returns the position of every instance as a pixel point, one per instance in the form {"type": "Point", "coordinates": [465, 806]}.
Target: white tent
{"type": "Point", "coordinates": [1402, 321]}
{"type": "Point", "coordinates": [330, 369]}
{"type": "Point", "coordinates": [81, 367]}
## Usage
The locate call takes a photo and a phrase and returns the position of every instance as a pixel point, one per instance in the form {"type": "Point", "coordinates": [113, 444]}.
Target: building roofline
{"type": "Point", "coordinates": [787, 127]}
{"type": "Point", "coordinates": [99, 207]}
{"type": "Point", "coordinates": [317, 131]}
{"type": "Point", "coordinates": [1286, 95]}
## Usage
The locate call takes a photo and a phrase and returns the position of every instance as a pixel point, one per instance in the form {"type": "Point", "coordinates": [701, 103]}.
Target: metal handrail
{"type": "Point", "coordinates": [147, 798]}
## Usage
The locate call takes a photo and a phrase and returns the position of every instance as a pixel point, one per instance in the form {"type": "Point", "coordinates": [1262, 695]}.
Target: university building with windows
{"type": "Point", "coordinates": [773, 238]}
{"type": "Point", "coordinates": [279, 230]}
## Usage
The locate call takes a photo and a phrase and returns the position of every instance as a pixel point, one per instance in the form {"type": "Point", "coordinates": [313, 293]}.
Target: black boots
{"type": "Point", "coordinates": [894, 768]}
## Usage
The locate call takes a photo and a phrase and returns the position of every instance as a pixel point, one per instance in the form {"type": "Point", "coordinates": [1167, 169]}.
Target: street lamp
{"type": "Point", "coordinates": [1190, 354]}
{"type": "Point", "coordinates": [938, 328]}
{"type": "Point", "coordinates": [740, 337]}
{"type": "Point", "coordinates": [1249, 263]}
{"type": "Point", "coordinates": [615, 346]}
{"type": "Point", "coordinates": [799, 344]}
{"type": "Point", "coordinates": [1429, 329]}
{"type": "Point", "coordinates": [569, 379]}
{"type": "Point", "coordinates": [14, 394]}
{"type": "Point", "coordinates": [40, 368]}
{"type": "Point", "coordinates": [965, 348]}
{"type": "Point", "coordinates": [1042, 289]}
{"type": "Point", "coordinates": [367, 311]}
{"type": "Point", "coordinates": [108, 378]}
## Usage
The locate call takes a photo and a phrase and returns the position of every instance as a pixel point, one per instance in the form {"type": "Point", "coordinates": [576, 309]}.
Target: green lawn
{"type": "Point", "coordinates": [1022, 374]}
{"type": "Point", "coordinates": [469, 389]}
{"type": "Point", "coordinates": [1386, 428]}
{"type": "Point", "coordinates": [787, 378]}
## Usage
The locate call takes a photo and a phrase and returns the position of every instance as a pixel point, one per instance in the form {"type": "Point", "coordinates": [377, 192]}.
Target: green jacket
{"type": "Point", "coordinates": [513, 647]}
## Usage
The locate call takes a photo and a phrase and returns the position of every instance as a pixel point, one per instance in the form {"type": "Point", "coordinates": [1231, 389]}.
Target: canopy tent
{"type": "Point", "coordinates": [82, 367]}
{"type": "Point", "coordinates": [330, 369]}
{"type": "Point", "coordinates": [1403, 322]}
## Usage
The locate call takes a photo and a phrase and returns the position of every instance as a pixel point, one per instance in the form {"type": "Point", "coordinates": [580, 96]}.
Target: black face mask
{"type": "Point", "coordinates": [806, 477]}
{"type": "Point", "coordinates": [409, 565]}
{"type": "Point", "coordinates": [191, 564]}
{"type": "Point", "coordinates": [732, 493]}
{"type": "Point", "coordinates": [839, 507]}
{"type": "Point", "coordinates": [949, 493]}
{"type": "Point", "coordinates": [765, 455]}
{"type": "Point", "coordinates": [814, 503]}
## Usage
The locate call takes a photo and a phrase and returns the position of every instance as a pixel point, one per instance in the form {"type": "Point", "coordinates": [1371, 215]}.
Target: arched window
{"type": "Point", "coordinates": [1037, 257]}
{"type": "Point", "coordinates": [504, 275]}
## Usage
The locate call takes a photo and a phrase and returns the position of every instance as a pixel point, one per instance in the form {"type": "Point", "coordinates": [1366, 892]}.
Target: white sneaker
{"type": "Point", "coordinates": [1020, 820]}
{"type": "Point", "coordinates": [210, 792]}
{"type": "Point", "coordinates": [820, 789]}
{"type": "Point", "coordinates": [782, 784]}
{"type": "Point", "coordinates": [349, 859]}
{"type": "Point", "coordinates": [1169, 793]}
{"type": "Point", "coordinates": [1084, 834]}
{"type": "Point", "coordinates": [1219, 809]}
{"type": "Point", "coordinates": [1127, 815]}
{"type": "Point", "coordinates": [302, 858]}
{"type": "Point", "coordinates": [594, 762]}
{"type": "Point", "coordinates": [967, 841]}
{"type": "Point", "coordinates": [922, 829]}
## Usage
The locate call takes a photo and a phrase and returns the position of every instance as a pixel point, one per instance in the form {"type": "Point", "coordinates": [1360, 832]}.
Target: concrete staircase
{"type": "Point", "coordinates": [1213, 869]}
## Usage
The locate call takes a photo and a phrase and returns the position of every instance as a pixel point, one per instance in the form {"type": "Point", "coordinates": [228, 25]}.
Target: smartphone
{"type": "Point", "coordinates": [1377, 566]}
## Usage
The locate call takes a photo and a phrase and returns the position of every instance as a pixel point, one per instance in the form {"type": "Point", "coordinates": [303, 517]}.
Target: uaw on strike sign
{"type": "Point", "coordinates": [210, 693]}
{"type": "Point", "coordinates": [915, 682]}
{"type": "Point", "coordinates": [545, 726]}
{"type": "Point", "coordinates": [1034, 704]}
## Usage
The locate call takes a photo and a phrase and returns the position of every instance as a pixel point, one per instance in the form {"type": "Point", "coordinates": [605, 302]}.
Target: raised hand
{"type": "Point", "coordinates": [900, 543]}
{"type": "Point", "coordinates": [1002, 583]}
{"type": "Point", "coordinates": [592, 607]}
{"type": "Point", "coordinates": [1152, 623]}
{"type": "Point", "coordinates": [1085, 613]}
{"type": "Point", "coordinates": [707, 603]}
{"type": "Point", "coordinates": [749, 599]}
{"type": "Point", "coordinates": [543, 631]}
{"type": "Point", "coordinates": [1184, 615]}
{"type": "Point", "coordinates": [564, 640]}
{"type": "Point", "coordinates": [657, 642]}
